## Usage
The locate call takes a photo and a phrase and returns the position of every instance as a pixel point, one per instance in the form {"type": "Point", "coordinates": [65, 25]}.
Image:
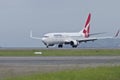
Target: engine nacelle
{"type": "Point", "coordinates": [74, 43]}
{"type": "Point", "coordinates": [51, 45]}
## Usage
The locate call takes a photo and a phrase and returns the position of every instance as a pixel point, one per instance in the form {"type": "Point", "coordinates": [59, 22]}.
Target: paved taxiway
{"type": "Point", "coordinates": [60, 60]}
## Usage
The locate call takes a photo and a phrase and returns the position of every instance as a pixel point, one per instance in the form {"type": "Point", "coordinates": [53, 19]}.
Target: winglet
{"type": "Point", "coordinates": [31, 36]}
{"type": "Point", "coordinates": [117, 33]}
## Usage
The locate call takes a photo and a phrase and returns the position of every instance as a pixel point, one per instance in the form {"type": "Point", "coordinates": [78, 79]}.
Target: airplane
{"type": "Point", "coordinates": [74, 38]}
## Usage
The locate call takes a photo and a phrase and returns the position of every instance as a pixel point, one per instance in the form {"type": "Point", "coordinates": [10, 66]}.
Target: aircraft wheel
{"type": "Point", "coordinates": [74, 46]}
{"type": "Point", "coordinates": [60, 46]}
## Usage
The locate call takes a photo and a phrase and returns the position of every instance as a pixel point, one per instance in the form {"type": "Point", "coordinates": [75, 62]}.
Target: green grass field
{"type": "Point", "coordinates": [98, 73]}
{"type": "Point", "coordinates": [62, 52]}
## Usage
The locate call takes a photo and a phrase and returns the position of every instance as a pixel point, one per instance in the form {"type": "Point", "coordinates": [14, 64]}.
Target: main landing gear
{"type": "Point", "coordinates": [60, 45]}
{"type": "Point", "coordinates": [74, 46]}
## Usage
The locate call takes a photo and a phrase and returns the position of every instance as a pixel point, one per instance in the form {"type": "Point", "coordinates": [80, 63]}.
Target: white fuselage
{"type": "Point", "coordinates": [60, 38]}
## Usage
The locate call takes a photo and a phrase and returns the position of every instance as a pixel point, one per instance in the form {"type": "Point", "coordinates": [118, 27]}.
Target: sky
{"type": "Point", "coordinates": [18, 17]}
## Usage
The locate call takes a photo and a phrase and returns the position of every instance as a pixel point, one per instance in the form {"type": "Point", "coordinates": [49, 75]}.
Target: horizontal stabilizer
{"type": "Point", "coordinates": [98, 33]}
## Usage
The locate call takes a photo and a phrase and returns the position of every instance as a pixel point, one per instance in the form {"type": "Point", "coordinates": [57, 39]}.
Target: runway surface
{"type": "Point", "coordinates": [60, 60]}
{"type": "Point", "coordinates": [16, 66]}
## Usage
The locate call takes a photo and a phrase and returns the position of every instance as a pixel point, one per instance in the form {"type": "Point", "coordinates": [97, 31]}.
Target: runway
{"type": "Point", "coordinates": [14, 66]}
{"type": "Point", "coordinates": [73, 60]}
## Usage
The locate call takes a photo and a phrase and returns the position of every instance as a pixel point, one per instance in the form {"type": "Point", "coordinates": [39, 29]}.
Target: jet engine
{"type": "Point", "coordinates": [74, 43]}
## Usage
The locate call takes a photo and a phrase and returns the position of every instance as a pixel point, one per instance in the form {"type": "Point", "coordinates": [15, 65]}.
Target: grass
{"type": "Point", "coordinates": [98, 73]}
{"type": "Point", "coordinates": [62, 52]}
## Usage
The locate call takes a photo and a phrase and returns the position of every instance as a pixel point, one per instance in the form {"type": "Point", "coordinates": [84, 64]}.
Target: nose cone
{"type": "Point", "coordinates": [44, 41]}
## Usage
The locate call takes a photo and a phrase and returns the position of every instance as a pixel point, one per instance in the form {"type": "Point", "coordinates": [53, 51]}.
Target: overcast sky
{"type": "Point", "coordinates": [18, 17]}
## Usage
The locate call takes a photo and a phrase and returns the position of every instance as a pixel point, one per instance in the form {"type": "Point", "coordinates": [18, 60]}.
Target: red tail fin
{"type": "Point", "coordinates": [86, 29]}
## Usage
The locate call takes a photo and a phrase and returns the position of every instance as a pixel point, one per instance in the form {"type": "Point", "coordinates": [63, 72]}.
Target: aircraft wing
{"type": "Point", "coordinates": [97, 38]}
{"type": "Point", "coordinates": [93, 39]}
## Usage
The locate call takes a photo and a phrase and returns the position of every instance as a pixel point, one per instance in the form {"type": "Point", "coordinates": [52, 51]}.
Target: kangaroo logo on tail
{"type": "Point", "coordinates": [86, 29]}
